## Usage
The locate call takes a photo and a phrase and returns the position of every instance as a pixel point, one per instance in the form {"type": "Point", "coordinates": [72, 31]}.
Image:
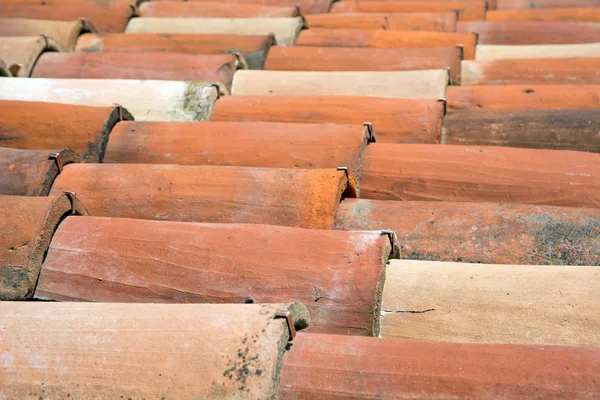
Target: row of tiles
{"type": "Point", "coordinates": [346, 279]}
{"type": "Point", "coordinates": [242, 351]}
{"type": "Point", "coordinates": [35, 56]}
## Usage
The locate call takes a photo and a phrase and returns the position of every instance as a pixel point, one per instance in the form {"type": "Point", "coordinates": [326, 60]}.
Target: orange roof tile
{"type": "Point", "coordinates": [433, 21]}
{"type": "Point", "coordinates": [468, 10]}
{"type": "Point", "coordinates": [191, 9]}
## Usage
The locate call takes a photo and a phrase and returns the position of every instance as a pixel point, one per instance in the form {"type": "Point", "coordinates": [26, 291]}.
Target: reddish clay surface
{"type": "Point", "coordinates": [522, 4]}
{"type": "Point", "coordinates": [553, 14]}
{"type": "Point", "coordinates": [523, 97]}
{"type": "Point", "coordinates": [440, 22]}
{"type": "Point", "coordinates": [306, 6]}
{"type": "Point", "coordinates": [570, 129]}
{"type": "Point", "coordinates": [105, 19]}
{"type": "Point", "coordinates": [340, 367]}
{"type": "Point", "coordinates": [534, 71]}
{"type": "Point", "coordinates": [64, 33]}
{"type": "Point", "coordinates": [486, 233]}
{"type": "Point", "coordinates": [247, 144]}
{"type": "Point", "coordinates": [275, 196]}
{"type": "Point", "coordinates": [394, 120]}
{"type": "Point", "coordinates": [157, 66]}
{"type": "Point", "coordinates": [309, 58]}
{"type": "Point", "coordinates": [26, 125]}
{"type": "Point", "coordinates": [381, 38]}
{"type": "Point", "coordinates": [253, 47]}
{"type": "Point", "coordinates": [532, 32]}
{"type": "Point", "coordinates": [26, 228]}
{"type": "Point", "coordinates": [468, 10]}
{"type": "Point", "coordinates": [201, 9]}
{"type": "Point", "coordinates": [31, 172]}
{"type": "Point", "coordinates": [127, 260]}
{"type": "Point", "coordinates": [151, 351]}
{"type": "Point", "coordinates": [479, 173]}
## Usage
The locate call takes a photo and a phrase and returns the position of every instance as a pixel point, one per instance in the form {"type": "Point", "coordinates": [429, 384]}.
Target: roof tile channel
{"type": "Point", "coordinates": [338, 367]}
{"type": "Point", "coordinates": [277, 196]}
{"type": "Point", "coordinates": [336, 274]}
{"type": "Point", "coordinates": [147, 351]}
{"type": "Point", "coordinates": [82, 129]}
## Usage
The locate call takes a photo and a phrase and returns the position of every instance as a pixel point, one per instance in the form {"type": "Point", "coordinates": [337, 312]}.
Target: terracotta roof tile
{"type": "Point", "coordinates": [22, 52]}
{"type": "Point", "coordinates": [505, 234]}
{"type": "Point", "coordinates": [496, 52]}
{"type": "Point", "coordinates": [257, 144]}
{"type": "Point", "coordinates": [548, 14]}
{"type": "Point", "coordinates": [424, 84]}
{"type": "Point", "coordinates": [157, 66]}
{"type": "Point", "coordinates": [84, 129]}
{"type": "Point", "coordinates": [179, 262]}
{"type": "Point", "coordinates": [306, 6]}
{"type": "Point", "coordinates": [387, 39]}
{"type": "Point", "coordinates": [146, 100]}
{"type": "Point", "coordinates": [532, 32]}
{"type": "Point", "coordinates": [468, 10]}
{"type": "Point", "coordinates": [531, 71]}
{"type": "Point", "coordinates": [521, 4]}
{"type": "Point", "coordinates": [26, 227]}
{"type": "Point", "coordinates": [340, 367]}
{"type": "Point", "coordinates": [394, 120]}
{"type": "Point", "coordinates": [308, 58]}
{"type": "Point", "coordinates": [474, 303]}
{"type": "Point", "coordinates": [105, 19]}
{"type": "Point", "coordinates": [152, 351]}
{"type": "Point", "coordinates": [253, 47]}
{"type": "Point", "coordinates": [285, 29]}
{"type": "Point", "coordinates": [31, 172]}
{"type": "Point", "coordinates": [276, 196]}
{"type": "Point", "coordinates": [433, 21]}
{"type": "Point", "coordinates": [64, 33]}
{"type": "Point", "coordinates": [568, 129]}
{"type": "Point", "coordinates": [197, 9]}
{"type": "Point", "coordinates": [523, 97]}
{"type": "Point", "coordinates": [477, 173]}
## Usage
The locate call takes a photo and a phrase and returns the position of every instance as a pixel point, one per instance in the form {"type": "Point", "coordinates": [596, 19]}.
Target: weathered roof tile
{"type": "Point", "coordinates": [496, 52]}
{"type": "Point", "coordinates": [433, 21]}
{"type": "Point", "coordinates": [202, 9]}
{"type": "Point", "coordinates": [64, 33]}
{"type": "Point", "coordinates": [532, 32]}
{"type": "Point", "coordinates": [22, 52]}
{"type": "Point", "coordinates": [468, 10]}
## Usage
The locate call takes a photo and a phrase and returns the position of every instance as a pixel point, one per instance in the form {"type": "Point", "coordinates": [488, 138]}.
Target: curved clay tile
{"type": "Point", "coordinates": [285, 29]}
{"type": "Point", "coordinates": [276, 196]}
{"type": "Point", "coordinates": [475, 303]}
{"type": "Point", "coordinates": [27, 224]}
{"type": "Point", "coordinates": [503, 234]}
{"type": "Point", "coordinates": [31, 172]}
{"type": "Point", "coordinates": [309, 58]}
{"type": "Point", "coordinates": [253, 47]}
{"type": "Point", "coordinates": [64, 33]}
{"type": "Point", "coordinates": [497, 52]}
{"type": "Point", "coordinates": [338, 367]}
{"type": "Point", "coordinates": [22, 52]}
{"type": "Point", "coordinates": [532, 32]}
{"type": "Point", "coordinates": [83, 129]}
{"type": "Point", "coordinates": [176, 262]}
{"type": "Point", "coordinates": [568, 129]}
{"type": "Point", "coordinates": [468, 10]}
{"type": "Point", "coordinates": [531, 71]}
{"type": "Point", "coordinates": [441, 22]}
{"type": "Point", "coordinates": [152, 351]}
{"type": "Point", "coordinates": [393, 120]}
{"type": "Point", "coordinates": [382, 38]}
{"type": "Point", "coordinates": [105, 19]}
{"type": "Point", "coordinates": [523, 97]}
{"type": "Point", "coordinates": [478, 173]}
{"type": "Point", "coordinates": [157, 66]}
{"type": "Point", "coordinates": [306, 6]}
{"type": "Point", "coordinates": [145, 100]}
{"type": "Point", "coordinates": [523, 4]}
{"type": "Point", "coordinates": [424, 84]}
{"type": "Point", "coordinates": [548, 14]}
{"type": "Point", "coordinates": [257, 144]}
{"type": "Point", "coordinates": [201, 9]}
